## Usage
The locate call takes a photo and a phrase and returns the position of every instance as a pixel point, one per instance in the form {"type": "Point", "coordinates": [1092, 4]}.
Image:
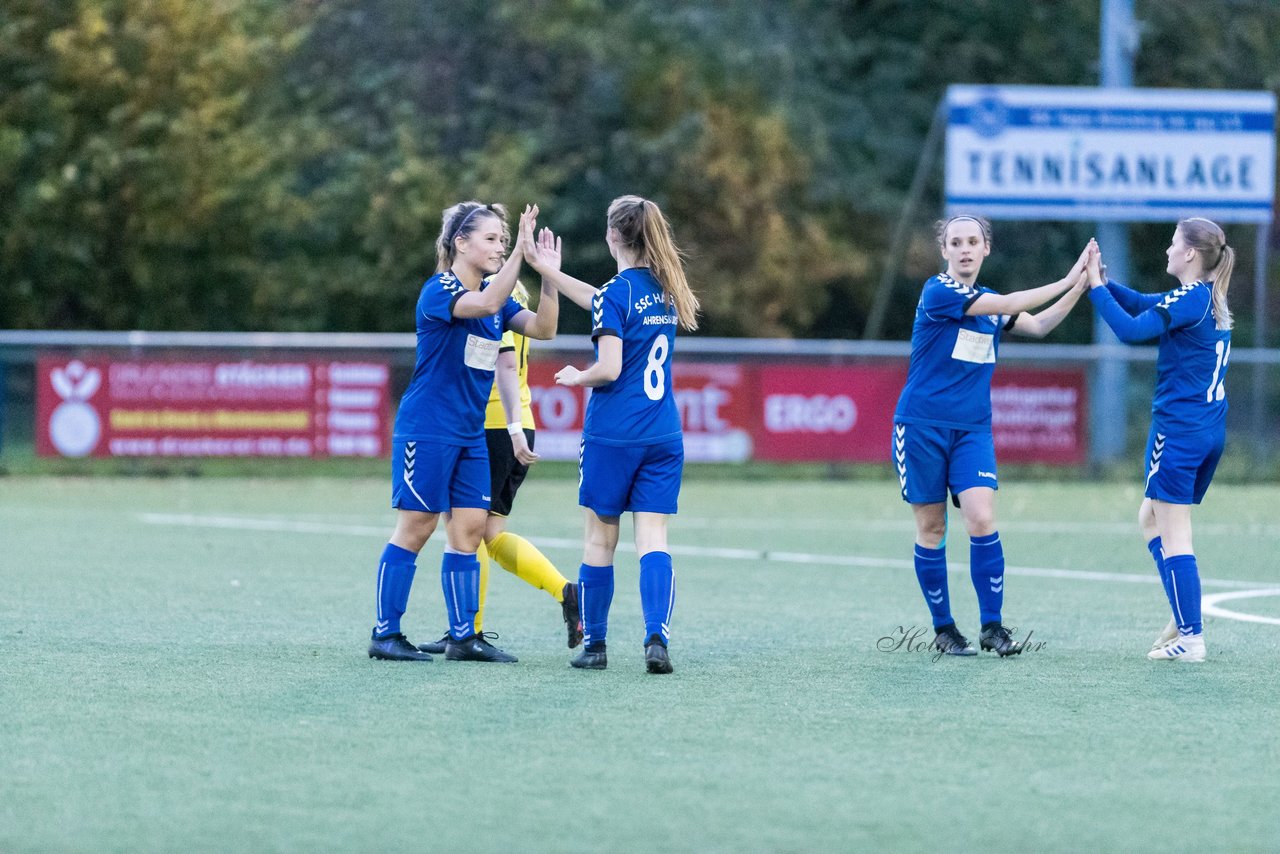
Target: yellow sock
{"type": "Point", "coordinates": [522, 559]}
{"type": "Point", "coordinates": [482, 555]}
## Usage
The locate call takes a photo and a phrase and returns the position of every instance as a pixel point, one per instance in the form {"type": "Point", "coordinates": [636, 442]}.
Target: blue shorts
{"type": "Point", "coordinates": [930, 460]}
{"type": "Point", "coordinates": [640, 478]}
{"type": "Point", "coordinates": [1181, 465]}
{"type": "Point", "coordinates": [432, 477]}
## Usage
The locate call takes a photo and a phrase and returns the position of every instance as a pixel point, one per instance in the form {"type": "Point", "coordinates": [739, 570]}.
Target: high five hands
{"type": "Point", "coordinates": [542, 252]}
{"type": "Point", "coordinates": [1095, 269]}
{"type": "Point", "coordinates": [528, 222]}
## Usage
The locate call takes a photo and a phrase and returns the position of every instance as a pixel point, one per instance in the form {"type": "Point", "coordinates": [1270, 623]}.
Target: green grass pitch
{"type": "Point", "coordinates": [183, 668]}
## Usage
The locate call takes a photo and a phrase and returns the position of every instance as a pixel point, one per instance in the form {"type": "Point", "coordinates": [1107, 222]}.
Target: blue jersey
{"type": "Point", "coordinates": [1191, 368]}
{"type": "Point", "coordinates": [638, 408]}
{"type": "Point", "coordinates": [446, 397]}
{"type": "Point", "coordinates": [953, 356]}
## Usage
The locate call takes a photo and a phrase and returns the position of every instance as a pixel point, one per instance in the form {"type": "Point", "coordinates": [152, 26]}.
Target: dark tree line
{"type": "Point", "coordinates": [250, 164]}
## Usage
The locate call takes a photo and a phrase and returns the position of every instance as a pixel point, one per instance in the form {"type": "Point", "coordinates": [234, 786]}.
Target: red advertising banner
{"type": "Point", "coordinates": [825, 413]}
{"type": "Point", "coordinates": [716, 403]}
{"type": "Point", "coordinates": [731, 411]}
{"type": "Point", "coordinates": [1039, 416]}
{"type": "Point", "coordinates": [106, 408]}
{"type": "Point", "coordinates": [791, 413]}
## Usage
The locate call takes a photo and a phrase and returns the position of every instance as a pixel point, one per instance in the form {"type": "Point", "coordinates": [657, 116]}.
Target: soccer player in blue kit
{"type": "Point", "coordinates": [439, 458]}
{"type": "Point", "coordinates": [509, 434]}
{"type": "Point", "coordinates": [632, 452]}
{"type": "Point", "coordinates": [942, 425]}
{"type": "Point", "coordinates": [1188, 410]}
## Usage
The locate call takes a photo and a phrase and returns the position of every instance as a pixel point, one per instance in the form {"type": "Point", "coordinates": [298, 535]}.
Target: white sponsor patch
{"type": "Point", "coordinates": [481, 353]}
{"type": "Point", "coordinates": [974, 347]}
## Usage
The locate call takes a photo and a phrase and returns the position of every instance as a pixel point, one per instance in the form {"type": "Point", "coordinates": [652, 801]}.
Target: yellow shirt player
{"type": "Point", "coordinates": [509, 433]}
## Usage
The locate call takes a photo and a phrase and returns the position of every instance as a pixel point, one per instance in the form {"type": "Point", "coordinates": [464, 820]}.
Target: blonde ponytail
{"type": "Point", "coordinates": [644, 230]}
{"type": "Point", "coordinates": [1208, 239]}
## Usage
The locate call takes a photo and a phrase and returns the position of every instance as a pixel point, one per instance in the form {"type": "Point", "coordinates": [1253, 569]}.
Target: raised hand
{"type": "Point", "coordinates": [528, 223]}
{"type": "Point", "coordinates": [1079, 266]}
{"type": "Point", "coordinates": [544, 253]}
{"type": "Point", "coordinates": [1094, 266]}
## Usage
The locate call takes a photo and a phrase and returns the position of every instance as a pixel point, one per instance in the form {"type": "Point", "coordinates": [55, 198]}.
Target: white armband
{"type": "Point", "coordinates": [515, 427]}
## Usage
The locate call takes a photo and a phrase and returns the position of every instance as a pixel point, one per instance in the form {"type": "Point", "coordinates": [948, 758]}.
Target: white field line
{"type": "Point", "coordinates": [688, 523]}
{"type": "Point", "coordinates": [1209, 605]}
{"type": "Point", "coordinates": [284, 526]}
{"type": "Point", "coordinates": [1122, 529]}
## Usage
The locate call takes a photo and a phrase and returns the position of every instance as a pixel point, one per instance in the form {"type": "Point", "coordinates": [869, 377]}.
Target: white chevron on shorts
{"type": "Point", "coordinates": [900, 454]}
{"type": "Point", "coordinates": [410, 451]}
{"type": "Point", "coordinates": [1157, 451]}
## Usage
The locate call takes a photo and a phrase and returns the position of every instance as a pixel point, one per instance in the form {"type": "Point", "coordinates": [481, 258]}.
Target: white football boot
{"type": "Point", "coordinates": [1170, 632]}
{"type": "Point", "coordinates": [1184, 648]}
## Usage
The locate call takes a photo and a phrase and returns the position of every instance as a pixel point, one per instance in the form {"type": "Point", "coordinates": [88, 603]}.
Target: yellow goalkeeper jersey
{"type": "Point", "coordinates": [494, 416]}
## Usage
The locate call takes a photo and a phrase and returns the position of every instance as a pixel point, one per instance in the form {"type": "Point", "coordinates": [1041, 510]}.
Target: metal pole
{"type": "Point", "coordinates": [1108, 410]}
{"type": "Point", "coordinates": [1261, 433]}
{"type": "Point", "coordinates": [875, 318]}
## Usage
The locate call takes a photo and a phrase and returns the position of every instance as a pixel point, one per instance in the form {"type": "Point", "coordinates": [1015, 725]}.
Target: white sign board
{"type": "Point", "coordinates": [1066, 153]}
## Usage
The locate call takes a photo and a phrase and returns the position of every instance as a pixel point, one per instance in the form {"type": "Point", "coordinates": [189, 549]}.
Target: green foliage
{"type": "Point", "coordinates": [256, 164]}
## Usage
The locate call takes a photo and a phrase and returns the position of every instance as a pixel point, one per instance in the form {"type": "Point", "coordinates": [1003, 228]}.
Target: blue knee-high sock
{"type": "Point", "coordinates": [395, 576]}
{"type": "Point", "coordinates": [595, 595]}
{"type": "Point", "coordinates": [1157, 554]}
{"type": "Point", "coordinates": [986, 568]}
{"type": "Point", "coordinates": [460, 581]}
{"type": "Point", "coordinates": [931, 572]}
{"type": "Point", "coordinates": [657, 594]}
{"type": "Point", "coordinates": [1184, 579]}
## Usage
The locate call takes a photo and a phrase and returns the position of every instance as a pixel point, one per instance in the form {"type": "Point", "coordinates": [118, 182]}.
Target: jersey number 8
{"type": "Point", "coordinates": [655, 378]}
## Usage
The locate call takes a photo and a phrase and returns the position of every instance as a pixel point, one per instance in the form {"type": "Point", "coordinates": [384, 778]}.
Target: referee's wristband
{"type": "Point", "coordinates": [515, 427]}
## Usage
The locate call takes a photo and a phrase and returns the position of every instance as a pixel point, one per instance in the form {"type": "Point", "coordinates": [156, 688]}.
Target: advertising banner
{"type": "Point", "coordinates": [821, 413]}
{"type": "Point", "coordinates": [155, 408]}
{"type": "Point", "coordinates": [716, 403]}
{"type": "Point", "coordinates": [836, 414]}
{"type": "Point", "coordinates": [730, 411]}
{"type": "Point", "coordinates": [1039, 416]}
